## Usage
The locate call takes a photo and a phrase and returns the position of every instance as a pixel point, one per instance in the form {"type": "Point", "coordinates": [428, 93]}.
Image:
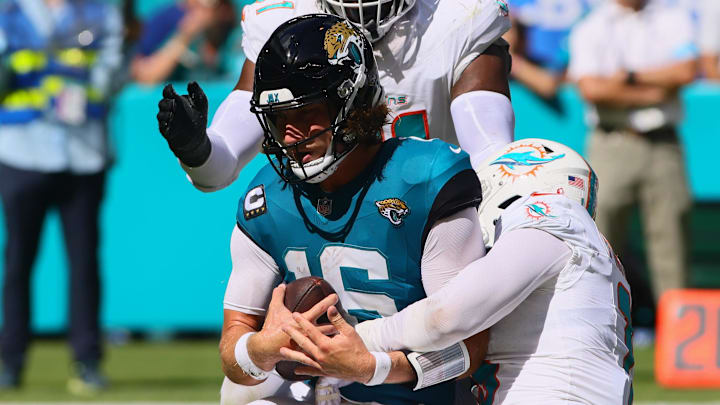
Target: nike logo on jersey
{"type": "Point", "coordinates": [455, 149]}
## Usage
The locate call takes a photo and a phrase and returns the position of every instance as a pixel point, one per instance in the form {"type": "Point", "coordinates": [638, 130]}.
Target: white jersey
{"type": "Point", "coordinates": [419, 60]}
{"type": "Point", "coordinates": [572, 334]}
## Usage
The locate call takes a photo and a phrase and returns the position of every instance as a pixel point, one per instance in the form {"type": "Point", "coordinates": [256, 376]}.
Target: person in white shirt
{"type": "Point", "coordinates": [709, 39]}
{"type": "Point", "coordinates": [551, 290]}
{"type": "Point", "coordinates": [629, 67]}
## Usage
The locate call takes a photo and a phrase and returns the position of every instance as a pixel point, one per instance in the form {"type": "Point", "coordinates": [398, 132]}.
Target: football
{"type": "Point", "coordinates": [301, 295]}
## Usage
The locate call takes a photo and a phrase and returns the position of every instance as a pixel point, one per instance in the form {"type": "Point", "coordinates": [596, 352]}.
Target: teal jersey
{"type": "Point", "coordinates": [366, 239]}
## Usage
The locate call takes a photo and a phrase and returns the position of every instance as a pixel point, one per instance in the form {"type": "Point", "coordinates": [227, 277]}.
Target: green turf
{"type": "Point", "coordinates": [170, 371]}
{"type": "Point", "coordinates": [190, 372]}
{"type": "Point", "coordinates": [647, 390]}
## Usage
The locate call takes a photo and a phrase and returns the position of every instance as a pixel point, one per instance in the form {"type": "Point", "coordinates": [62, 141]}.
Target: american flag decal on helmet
{"type": "Point", "coordinates": [576, 182]}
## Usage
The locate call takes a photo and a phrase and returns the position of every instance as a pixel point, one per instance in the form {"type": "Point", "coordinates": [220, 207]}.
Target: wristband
{"type": "Point", "coordinates": [243, 359]}
{"type": "Point", "coordinates": [383, 364]}
{"type": "Point", "coordinates": [439, 366]}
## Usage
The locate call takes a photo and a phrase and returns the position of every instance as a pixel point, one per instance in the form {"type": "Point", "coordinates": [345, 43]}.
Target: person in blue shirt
{"type": "Point", "coordinates": [539, 41]}
{"type": "Point", "coordinates": [385, 223]}
{"type": "Point", "coordinates": [187, 38]}
{"type": "Point", "coordinates": [59, 57]}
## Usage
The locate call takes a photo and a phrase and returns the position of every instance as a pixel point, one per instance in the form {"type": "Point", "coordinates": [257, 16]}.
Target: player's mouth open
{"type": "Point", "coordinates": [305, 157]}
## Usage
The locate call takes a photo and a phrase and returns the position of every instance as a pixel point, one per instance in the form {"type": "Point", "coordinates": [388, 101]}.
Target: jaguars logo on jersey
{"type": "Point", "coordinates": [394, 209]}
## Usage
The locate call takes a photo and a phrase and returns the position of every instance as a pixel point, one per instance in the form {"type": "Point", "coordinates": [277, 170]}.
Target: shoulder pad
{"type": "Point", "coordinates": [260, 19]}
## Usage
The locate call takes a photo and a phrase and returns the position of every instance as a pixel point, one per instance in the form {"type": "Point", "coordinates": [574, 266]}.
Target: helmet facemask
{"type": "Point", "coordinates": [288, 158]}
{"type": "Point", "coordinates": [373, 17]}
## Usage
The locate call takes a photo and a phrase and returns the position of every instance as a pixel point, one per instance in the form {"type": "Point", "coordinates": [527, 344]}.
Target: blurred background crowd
{"type": "Point", "coordinates": [117, 241]}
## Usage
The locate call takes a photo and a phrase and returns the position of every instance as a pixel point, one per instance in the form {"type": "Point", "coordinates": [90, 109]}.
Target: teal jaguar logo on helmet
{"type": "Point", "coordinates": [342, 43]}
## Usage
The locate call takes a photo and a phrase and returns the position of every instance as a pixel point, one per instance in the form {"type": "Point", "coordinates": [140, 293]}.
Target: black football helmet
{"type": "Point", "coordinates": [375, 17]}
{"type": "Point", "coordinates": [315, 58]}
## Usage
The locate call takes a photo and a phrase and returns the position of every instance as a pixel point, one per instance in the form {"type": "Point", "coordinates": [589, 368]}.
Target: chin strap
{"type": "Point", "coordinates": [329, 170]}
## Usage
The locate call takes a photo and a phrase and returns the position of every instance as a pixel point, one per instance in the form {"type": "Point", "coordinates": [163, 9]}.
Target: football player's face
{"type": "Point", "coordinates": [311, 121]}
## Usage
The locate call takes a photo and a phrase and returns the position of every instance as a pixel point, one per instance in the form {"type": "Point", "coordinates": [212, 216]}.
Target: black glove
{"type": "Point", "coordinates": [182, 121]}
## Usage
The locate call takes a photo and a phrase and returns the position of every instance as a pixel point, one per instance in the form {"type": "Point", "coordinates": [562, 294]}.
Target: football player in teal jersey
{"type": "Point", "coordinates": [385, 223]}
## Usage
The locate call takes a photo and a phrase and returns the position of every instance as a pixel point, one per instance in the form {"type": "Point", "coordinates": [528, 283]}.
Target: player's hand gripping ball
{"type": "Point", "coordinates": [300, 296]}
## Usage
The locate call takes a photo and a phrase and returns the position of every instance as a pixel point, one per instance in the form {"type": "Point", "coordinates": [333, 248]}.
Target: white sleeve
{"type": "Point", "coordinates": [260, 20]}
{"type": "Point", "coordinates": [483, 293]}
{"type": "Point", "coordinates": [235, 135]}
{"type": "Point", "coordinates": [452, 243]}
{"type": "Point", "coordinates": [484, 122]}
{"type": "Point", "coordinates": [254, 275]}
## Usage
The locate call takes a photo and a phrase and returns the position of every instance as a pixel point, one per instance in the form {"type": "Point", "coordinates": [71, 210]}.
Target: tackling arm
{"type": "Point", "coordinates": [473, 301]}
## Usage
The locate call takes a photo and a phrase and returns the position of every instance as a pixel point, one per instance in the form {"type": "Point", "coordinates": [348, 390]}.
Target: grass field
{"type": "Point", "coordinates": [189, 371]}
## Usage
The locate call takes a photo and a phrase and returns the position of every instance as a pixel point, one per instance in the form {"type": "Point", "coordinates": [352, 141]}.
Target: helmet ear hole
{"type": "Point", "coordinates": [507, 202]}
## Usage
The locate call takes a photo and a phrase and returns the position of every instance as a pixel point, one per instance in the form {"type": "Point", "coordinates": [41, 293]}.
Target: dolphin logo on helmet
{"type": "Point", "coordinates": [522, 159]}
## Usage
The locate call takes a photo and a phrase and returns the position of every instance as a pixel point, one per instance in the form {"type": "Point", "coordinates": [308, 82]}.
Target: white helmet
{"type": "Point", "coordinates": [374, 17]}
{"type": "Point", "coordinates": [532, 166]}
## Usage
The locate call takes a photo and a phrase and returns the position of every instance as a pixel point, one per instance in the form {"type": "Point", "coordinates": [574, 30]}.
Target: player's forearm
{"type": "Point", "coordinates": [472, 301]}
{"type": "Point", "coordinates": [219, 170]}
{"type": "Point", "coordinates": [401, 370]}
{"type": "Point", "coordinates": [230, 367]}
